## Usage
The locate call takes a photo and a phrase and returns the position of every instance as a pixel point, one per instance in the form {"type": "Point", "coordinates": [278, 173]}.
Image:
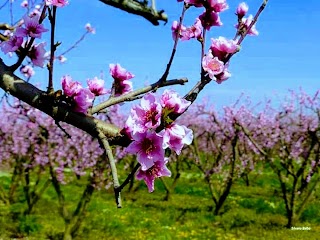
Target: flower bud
{"type": "Point", "coordinates": [242, 10]}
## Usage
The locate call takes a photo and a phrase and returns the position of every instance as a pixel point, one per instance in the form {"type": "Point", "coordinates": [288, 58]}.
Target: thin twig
{"type": "Point", "coordinates": [62, 129]}
{"type": "Point", "coordinates": [108, 150]}
{"type": "Point", "coordinates": [75, 44]}
{"type": "Point", "coordinates": [129, 177]}
{"type": "Point", "coordinates": [52, 48]}
{"type": "Point", "coordinates": [203, 42]}
{"type": "Point", "coordinates": [4, 4]}
{"type": "Point", "coordinates": [132, 95]}
{"type": "Point", "coordinates": [174, 49]}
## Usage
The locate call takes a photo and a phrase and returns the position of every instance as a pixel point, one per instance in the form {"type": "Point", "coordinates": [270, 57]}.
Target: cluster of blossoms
{"type": "Point", "coordinates": [210, 17]}
{"type": "Point", "coordinates": [186, 33]}
{"type": "Point", "coordinates": [215, 62]}
{"type": "Point", "coordinates": [83, 97]}
{"type": "Point", "coordinates": [244, 23]}
{"type": "Point", "coordinates": [30, 28]}
{"type": "Point", "coordinates": [148, 144]}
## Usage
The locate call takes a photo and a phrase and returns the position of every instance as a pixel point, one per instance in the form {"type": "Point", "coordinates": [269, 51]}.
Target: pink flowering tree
{"type": "Point", "coordinates": [288, 140]}
{"type": "Point", "coordinates": [35, 147]}
{"type": "Point", "coordinates": [283, 141]}
{"type": "Point", "coordinates": [220, 149]}
{"type": "Point", "coordinates": [150, 128]}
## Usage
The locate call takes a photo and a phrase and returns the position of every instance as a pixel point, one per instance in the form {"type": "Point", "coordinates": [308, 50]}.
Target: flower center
{"type": "Point", "coordinates": [147, 146]}
{"type": "Point", "coordinates": [151, 116]}
{"type": "Point", "coordinates": [213, 65]}
{"type": "Point", "coordinates": [153, 171]}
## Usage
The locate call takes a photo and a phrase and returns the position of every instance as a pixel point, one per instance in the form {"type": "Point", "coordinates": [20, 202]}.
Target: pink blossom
{"type": "Point", "coordinates": [119, 73]}
{"type": "Point", "coordinates": [27, 71]}
{"type": "Point", "coordinates": [32, 28]}
{"type": "Point", "coordinates": [186, 33]}
{"type": "Point", "coordinates": [37, 54]}
{"type": "Point", "coordinates": [57, 3]}
{"type": "Point", "coordinates": [159, 169]}
{"type": "Point", "coordinates": [245, 23]}
{"type": "Point", "coordinates": [192, 32]}
{"type": "Point", "coordinates": [24, 4]}
{"type": "Point", "coordinates": [89, 28]}
{"type": "Point", "coordinates": [242, 10]}
{"type": "Point", "coordinates": [172, 102]}
{"type": "Point", "coordinates": [145, 116]}
{"type": "Point", "coordinates": [131, 127]}
{"type": "Point", "coordinates": [221, 47]}
{"type": "Point", "coordinates": [174, 29]}
{"type": "Point", "coordinates": [121, 76]}
{"type": "Point", "coordinates": [96, 86]}
{"type": "Point", "coordinates": [122, 87]}
{"type": "Point", "coordinates": [221, 77]}
{"type": "Point", "coordinates": [148, 147]}
{"type": "Point", "coordinates": [70, 87]}
{"type": "Point", "coordinates": [84, 100]}
{"type": "Point", "coordinates": [212, 65]}
{"type": "Point", "coordinates": [175, 136]}
{"type": "Point", "coordinates": [209, 19]}
{"type": "Point", "coordinates": [12, 44]}
{"type": "Point", "coordinates": [218, 5]}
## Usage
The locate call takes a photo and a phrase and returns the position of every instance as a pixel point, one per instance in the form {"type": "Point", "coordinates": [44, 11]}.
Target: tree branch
{"type": "Point", "coordinates": [57, 110]}
{"type": "Point", "coordinates": [139, 8]}
{"type": "Point", "coordinates": [5, 26]}
{"type": "Point", "coordinates": [105, 145]}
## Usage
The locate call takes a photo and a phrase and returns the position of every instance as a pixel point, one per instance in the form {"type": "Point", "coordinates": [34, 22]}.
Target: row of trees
{"type": "Point", "coordinates": [230, 145]}
{"type": "Point", "coordinates": [227, 146]}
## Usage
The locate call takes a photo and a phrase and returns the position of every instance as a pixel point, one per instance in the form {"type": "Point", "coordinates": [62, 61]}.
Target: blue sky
{"type": "Point", "coordinates": [284, 55]}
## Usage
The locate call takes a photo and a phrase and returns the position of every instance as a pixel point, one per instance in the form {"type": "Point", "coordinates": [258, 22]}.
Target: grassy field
{"type": "Point", "coordinates": [254, 212]}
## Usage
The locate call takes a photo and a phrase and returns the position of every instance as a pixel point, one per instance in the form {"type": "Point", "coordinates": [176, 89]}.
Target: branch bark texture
{"type": "Point", "coordinates": [28, 93]}
{"type": "Point", "coordinates": [140, 8]}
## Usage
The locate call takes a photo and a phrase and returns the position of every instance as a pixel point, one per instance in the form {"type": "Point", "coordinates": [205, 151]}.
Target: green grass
{"type": "Point", "coordinates": [252, 212]}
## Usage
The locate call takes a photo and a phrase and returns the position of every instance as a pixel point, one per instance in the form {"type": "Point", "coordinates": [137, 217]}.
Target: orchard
{"type": "Point", "coordinates": [102, 159]}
